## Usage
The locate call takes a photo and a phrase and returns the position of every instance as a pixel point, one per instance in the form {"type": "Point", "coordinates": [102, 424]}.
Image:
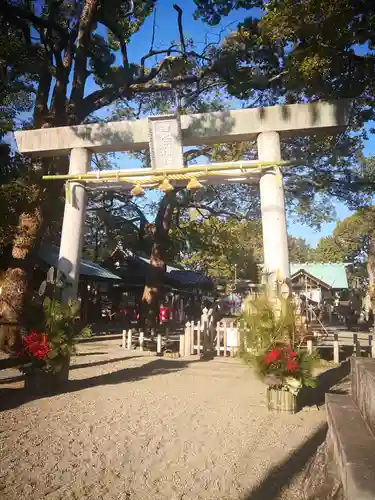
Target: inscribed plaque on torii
{"type": "Point", "coordinates": [165, 142]}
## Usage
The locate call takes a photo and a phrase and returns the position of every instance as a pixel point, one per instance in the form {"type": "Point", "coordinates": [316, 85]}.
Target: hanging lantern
{"type": "Point", "coordinates": [166, 186]}
{"type": "Point", "coordinates": [137, 190]}
{"type": "Point", "coordinates": [193, 184]}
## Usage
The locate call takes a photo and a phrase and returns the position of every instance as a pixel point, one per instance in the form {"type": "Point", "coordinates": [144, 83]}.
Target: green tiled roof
{"type": "Point", "coordinates": [333, 275]}
{"type": "Point", "coordinates": [50, 255]}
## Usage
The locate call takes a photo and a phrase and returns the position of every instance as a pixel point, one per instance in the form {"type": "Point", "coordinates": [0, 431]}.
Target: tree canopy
{"type": "Point", "coordinates": [328, 48]}
{"type": "Point", "coordinates": [221, 248]}
{"type": "Point", "coordinates": [352, 241]}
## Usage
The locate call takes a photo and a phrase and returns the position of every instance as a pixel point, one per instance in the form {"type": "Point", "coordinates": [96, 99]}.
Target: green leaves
{"type": "Point", "coordinates": [86, 332]}
{"type": "Point", "coordinates": [352, 241]}
{"type": "Point", "coordinates": [211, 11]}
{"type": "Point", "coordinates": [216, 245]}
{"type": "Point", "coordinates": [262, 327]}
{"type": "Point", "coordinates": [322, 58]}
{"type": "Point", "coordinates": [266, 345]}
{"type": "Point", "coordinates": [63, 327]}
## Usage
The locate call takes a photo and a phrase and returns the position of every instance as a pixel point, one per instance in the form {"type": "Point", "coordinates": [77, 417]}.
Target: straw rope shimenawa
{"type": "Point", "coordinates": [193, 169]}
{"type": "Point", "coordinates": [151, 179]}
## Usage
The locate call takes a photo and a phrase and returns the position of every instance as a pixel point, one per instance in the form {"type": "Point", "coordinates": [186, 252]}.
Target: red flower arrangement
{"type": "Point", "coordinates": [272, 356]}
{"type": "Point", "coordinates": [284, 357]}
{"type": "Point", "coordinates": [292, 361]}
{"type": "Point", "coordinates": [282, 367]}
{"type": "Point", "coordinates": [35, 344]}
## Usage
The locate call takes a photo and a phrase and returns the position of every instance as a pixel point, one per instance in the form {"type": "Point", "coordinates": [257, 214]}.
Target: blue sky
{"type": "Point", "coordinates": [166, 31]}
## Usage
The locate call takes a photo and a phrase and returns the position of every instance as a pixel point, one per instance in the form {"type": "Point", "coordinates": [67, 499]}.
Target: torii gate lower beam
{"type": "Point", "coordinates": [266, 125]}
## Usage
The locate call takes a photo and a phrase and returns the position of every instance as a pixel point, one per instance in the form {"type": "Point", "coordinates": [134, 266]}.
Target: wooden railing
{"type": "Point", "coordinates": [202, 337]}
{"type": "Point", "coordinates": [359, 342]}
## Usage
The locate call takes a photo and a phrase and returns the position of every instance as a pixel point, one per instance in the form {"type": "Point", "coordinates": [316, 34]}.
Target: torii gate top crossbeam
{"type": "Point", "coordinates": [207, 128]}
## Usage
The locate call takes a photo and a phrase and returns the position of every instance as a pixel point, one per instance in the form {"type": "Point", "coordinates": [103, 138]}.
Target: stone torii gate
{"type": "Point", "coordinates": [166, 135]}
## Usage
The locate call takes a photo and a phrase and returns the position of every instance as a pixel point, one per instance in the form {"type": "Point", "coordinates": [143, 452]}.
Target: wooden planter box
{"type": "Point", "coordinates": [281, 401]}
{"type": "Point", "coordinates": [40, 382]}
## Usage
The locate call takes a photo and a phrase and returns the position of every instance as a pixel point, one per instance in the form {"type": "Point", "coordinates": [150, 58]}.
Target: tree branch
{"type": "Point", "coordinates": [131, 8]}
{"type": "Point", "coordinates": [80, 69]}
{"type": "Point", "coordinates": [169, 85]}
{"type": "Point", "coordinates": [117, 33]}
{"type": "Point", "coordinates": [212, 211]}
{"type": "Point", "coordinates": [145, 82]}
{"type": "Point", "coordinates": [68, 56]}
{"type": "Point", "coordinates": [180, 28]}
{"type": "Point", "coordinates": [13, 11]}
{"type": "Point", "coordinates": [57, 107]}
{"type": "Point", "coordinates": [153, 31]}
{"type": "Point", "coordinates": [45, 80]}
{"type": "Point", "coordinates": [106, 96]}
{"type": "Point", "coordinates": [277, 77]}
{"type": "Point", "coordinates": [192, 154]}
{"type": "Point", "coordinates": [156, 70]}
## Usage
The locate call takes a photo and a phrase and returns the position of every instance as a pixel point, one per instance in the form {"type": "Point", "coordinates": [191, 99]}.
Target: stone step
{"type": "Point", "coordinates": [353, 447]}
{"type": "Point", "coordinates": [363, 388]}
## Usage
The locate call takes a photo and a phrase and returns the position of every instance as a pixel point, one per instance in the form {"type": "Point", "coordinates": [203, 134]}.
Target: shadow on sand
{"type": "Point", "coordinates": [103, 362]}
{"type": "Point", "coordinates": [326, 381]}
{"type": "Point", "coordinates": [17, 378]}
{"type": "Point", "coordinates": [282, 474]}
{"type": "Point", "coordinates": [12, 398]}
{"type": "Point", "coordinates": [82, 354]}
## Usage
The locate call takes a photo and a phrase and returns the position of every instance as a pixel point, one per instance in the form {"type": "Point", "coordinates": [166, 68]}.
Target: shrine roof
{"type": "Point", "coordinates": [334, 275]}
{"type": "Point", "coordinates": [50, 255]}
{"type": "Point", "coordinates": [176, 274]}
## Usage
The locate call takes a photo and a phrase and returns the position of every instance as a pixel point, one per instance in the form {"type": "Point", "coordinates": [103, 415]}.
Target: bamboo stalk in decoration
{"type": "Point", "coordinates": [278, 275]}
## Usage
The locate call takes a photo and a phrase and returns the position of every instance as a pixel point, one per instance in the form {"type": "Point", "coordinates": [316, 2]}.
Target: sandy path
{"type": "Point", "coordinates": [141, 428]}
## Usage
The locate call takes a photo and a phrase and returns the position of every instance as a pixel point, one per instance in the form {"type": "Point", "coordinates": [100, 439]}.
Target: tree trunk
{"type": "Point", "coordinates": [154, 278]}
{"type": "Point", "coordinates": [17, 279]}
{"type": "Point", "coordinates": [371, 275]}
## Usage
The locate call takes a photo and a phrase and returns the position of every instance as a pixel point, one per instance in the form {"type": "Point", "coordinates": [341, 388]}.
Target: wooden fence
{"type": "Point", "coordinates": [359, 341]}
{"type": "Point", "coordinates": [201, 337]}
{"type": "Point", "coordinates": [131, 340]}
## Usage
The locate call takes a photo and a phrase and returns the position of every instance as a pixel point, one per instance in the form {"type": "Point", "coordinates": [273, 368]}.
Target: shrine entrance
{"type": "Point", "coordinates": [165, 136]}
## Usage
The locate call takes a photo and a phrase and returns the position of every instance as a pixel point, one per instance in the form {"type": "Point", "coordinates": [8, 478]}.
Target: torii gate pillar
{"type": "Point", "coordinates": [272, 203]}
{"type": "Point", "coordinates": [73, 224]}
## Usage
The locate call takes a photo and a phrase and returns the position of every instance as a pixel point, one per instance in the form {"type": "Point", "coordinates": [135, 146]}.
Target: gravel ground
{"type": "Point", "coordinates": [137, 427]}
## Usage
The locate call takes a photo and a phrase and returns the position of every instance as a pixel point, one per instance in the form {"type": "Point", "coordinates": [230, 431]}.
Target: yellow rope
{"type": "Point", "coordinates": [153, 181]}
{"type": "Point", "coordinates": [159, 178]}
